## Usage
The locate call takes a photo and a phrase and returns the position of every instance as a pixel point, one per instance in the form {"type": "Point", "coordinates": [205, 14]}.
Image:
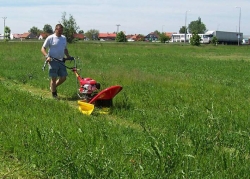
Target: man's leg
{"type": "Point", "coordinates": [53, 87]}
{"type": "Point", "coordinates": [60, 80]}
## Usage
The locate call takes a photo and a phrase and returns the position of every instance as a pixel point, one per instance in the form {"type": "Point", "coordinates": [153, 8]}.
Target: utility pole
{"type": "Point", "coordinates": [4, 26]}
{"type": "Point", "coordinates": [117, 28]}
{"type": "Point", "coordinates": [239, 25]}
{"type": "Point", "coordinates": [186, 26]}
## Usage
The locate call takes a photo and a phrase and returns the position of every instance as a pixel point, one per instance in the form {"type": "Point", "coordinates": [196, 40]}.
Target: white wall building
{"type": "Point", "coordinates": [181, 37]}
{"type": "Point", "coordinates": [2, 36]}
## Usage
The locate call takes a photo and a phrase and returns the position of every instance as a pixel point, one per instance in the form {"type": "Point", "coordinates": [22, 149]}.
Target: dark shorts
{"type": "Point", "coordinates": [57, 69]}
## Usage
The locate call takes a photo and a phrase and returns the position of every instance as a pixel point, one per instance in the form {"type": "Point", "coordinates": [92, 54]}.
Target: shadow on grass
{"type": "Point", "coordinates": [71, 98]}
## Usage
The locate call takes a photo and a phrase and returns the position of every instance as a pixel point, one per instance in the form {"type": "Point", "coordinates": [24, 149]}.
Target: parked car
{"type": "Point", "coordinates": [245, 41]}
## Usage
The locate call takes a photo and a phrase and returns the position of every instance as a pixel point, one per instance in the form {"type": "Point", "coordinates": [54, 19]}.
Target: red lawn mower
{"type": "Point", "coordinates": [89, 90]}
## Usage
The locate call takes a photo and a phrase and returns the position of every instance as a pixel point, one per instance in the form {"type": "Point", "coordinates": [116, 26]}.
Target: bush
{"type": "Point", "coordinates": [121, 37]}
{"type": "Point", "coordinates": [214, 41]}
{"type": "Point", "coordinates": [195, 40]}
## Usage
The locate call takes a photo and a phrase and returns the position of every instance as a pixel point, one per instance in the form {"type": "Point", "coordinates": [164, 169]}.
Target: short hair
{"type": "Point", "coordinates": [59, 26]}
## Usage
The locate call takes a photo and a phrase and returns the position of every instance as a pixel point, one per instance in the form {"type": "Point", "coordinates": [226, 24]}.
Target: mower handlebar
{"type": "Point", "coordinates": [64, 59]}
{"type": "Point", "coordinates": [70, 58]}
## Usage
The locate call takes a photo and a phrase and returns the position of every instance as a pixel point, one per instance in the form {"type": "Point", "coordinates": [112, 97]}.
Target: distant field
{"type": "Point", "coordinates": [183, 113]}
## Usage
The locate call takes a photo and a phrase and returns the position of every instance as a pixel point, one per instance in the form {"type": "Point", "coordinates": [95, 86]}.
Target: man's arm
{"type": "Point", "coordinates": [66, 52]}
{"type": "Point", "coordinates": [43, 50]}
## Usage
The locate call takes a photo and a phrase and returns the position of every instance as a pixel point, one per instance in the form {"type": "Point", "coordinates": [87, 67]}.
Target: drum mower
{"type": "Point", "coordinates": [89, 91]}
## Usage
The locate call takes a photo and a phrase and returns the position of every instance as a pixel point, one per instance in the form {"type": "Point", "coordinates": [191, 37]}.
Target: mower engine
{"type": "Point", "coordinates": [88, 88]}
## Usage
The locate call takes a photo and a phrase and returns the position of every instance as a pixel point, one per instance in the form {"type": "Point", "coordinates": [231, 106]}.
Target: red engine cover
{"type": "Point", "coordinates": [90, 81]}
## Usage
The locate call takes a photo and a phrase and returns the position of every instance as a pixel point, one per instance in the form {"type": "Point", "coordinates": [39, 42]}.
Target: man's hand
{"type": "Point", "coordinates": [70, 58]}
{"type": "Point", "coordinates": [48, 59]}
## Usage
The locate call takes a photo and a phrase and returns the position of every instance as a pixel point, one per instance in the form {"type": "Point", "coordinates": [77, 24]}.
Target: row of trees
{"type": "Point", "coordinates": [71, 27]}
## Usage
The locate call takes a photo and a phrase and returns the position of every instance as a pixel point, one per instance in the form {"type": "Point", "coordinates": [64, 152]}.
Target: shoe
{"type": "Point", "coordinates": [54, 95]}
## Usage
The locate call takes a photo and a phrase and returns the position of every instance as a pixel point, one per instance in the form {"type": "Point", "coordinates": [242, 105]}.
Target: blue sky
{"type": "Point", "coordinates": [133, 16]}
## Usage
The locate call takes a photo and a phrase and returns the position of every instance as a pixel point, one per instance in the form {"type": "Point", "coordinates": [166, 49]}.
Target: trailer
{"type": "Point", "coordinates": [223, 37]}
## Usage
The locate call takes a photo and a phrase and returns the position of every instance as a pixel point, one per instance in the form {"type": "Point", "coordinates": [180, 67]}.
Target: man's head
{"type": "Point", "coordinates": [58, 30]}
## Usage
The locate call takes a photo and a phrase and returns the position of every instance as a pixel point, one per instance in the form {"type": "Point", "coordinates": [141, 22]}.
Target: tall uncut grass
{"type": "Point", "coordinates": [183, 113]}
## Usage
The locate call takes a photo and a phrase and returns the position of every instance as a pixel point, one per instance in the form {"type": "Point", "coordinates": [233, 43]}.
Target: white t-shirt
{"type": "Point", "coordinates": [56, 46]}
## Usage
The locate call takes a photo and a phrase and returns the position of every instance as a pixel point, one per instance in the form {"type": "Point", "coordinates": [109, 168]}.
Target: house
{"type": "Point", "coordinates": [169, 34]}
{"type": "Point", "coordinates": [10, 35]}
{"type": "Point", "coordinates": [43, 36]}
{"type": "Point", "coordinates": [79, 36]}
{"type": "Point", "coordinates": [107, 36]}
{"type": "Point", "coordinates": [181, 37]}
{"type": "Point", "coordinates": [16, 36]}
{"type": "Point", "coordinates": [135, 37]}
{"type": "Point", "coordinates": [153, 36]}
{"type": "Point", "coordinates": [28, 35]}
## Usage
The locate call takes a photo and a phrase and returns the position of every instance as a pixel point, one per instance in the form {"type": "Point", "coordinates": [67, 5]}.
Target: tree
{"type": "Point", "coordinates": [34, 30]}
{"type": "Point", "coordinates": [182, 30]}
{"type": "Point", "coordinates": [7, 33]}
{"type": "Point", "coordinates": [163, 37]}
{"type": "Point", "coordinates": [81, 32]}
{"type": "Point", "coordinates": [197, 26]}
{"type": "Point", "coordinates": [69, 27]}
{"type": "Point", "coordinates": [48, 29]}
{"type": "Point", "coordinates": [121, 37]}
{"type": "Point", "coordinates": [92, 34]}
{"type": "Point", "coordinates": [195, 39]}
{"type": "Point", "coordinates": [157, 32]}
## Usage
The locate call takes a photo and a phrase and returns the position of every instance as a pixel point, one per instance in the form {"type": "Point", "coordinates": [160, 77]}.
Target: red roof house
{"type": "Point", "coordinates": [43, 36]}
{"type": "Point", "coordinates": [79, 36]}
{"type": "Point", "coordinates": [28, 35]}
{"type": "Point", "coordinates": [107, 36]}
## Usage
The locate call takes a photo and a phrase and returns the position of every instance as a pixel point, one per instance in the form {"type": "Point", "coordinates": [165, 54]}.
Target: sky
{"type": "Point", "coordinates": [130, 16]}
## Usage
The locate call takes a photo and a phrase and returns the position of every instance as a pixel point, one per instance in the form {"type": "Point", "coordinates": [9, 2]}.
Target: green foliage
{"type": "Point", "coordinates": [181, 114]}
{"type": "Point", "coordinates": [48, 29]}
{"type": "Point", "coordinates": [7, 32]}
{"type": "Point", "coordinates": [197, 26]}
{"type": "Point", "coordinates": [92, 34]}
{"type": "Point", "coordinates": [34, 30]}
{"type": "Point", "coordinates": [81, 32]}
{"type": "Point", "coordinates": [157, 32]}
{"type": "Point", "coordinates": [214, 41]}
{"type": "Point", "coordinates": [121, 37]}
{"type": "Point", "coordinates": [182, 30]}
{"type": "Point", "coordinates": [195, 40]}
{"type": "Point", "coordinates": [164, 38]}
{"type": "Point", "coordinates": [70, 27]}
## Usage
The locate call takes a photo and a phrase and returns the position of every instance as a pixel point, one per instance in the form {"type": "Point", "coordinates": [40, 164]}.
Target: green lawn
{"type": "Point", "coordinates": [183, 113]}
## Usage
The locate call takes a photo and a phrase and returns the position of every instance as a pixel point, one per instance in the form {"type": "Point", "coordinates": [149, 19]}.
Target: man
{"type": "Point", "coordinates": [57, 45]}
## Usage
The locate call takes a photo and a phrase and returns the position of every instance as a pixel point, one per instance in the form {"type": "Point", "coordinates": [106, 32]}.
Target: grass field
{"type": "Point", "coordinates": [183, 113]}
